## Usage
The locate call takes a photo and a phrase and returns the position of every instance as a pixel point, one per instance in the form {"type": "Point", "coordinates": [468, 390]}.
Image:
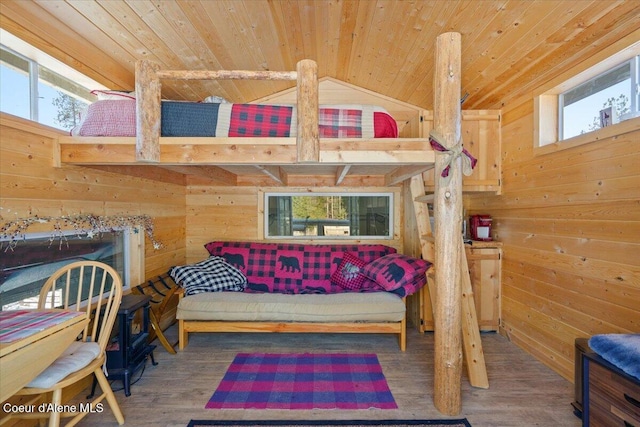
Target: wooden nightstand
{"type": "Point", "coordinates": [611, 397]}
{"type": "Point", "coordinates": [581, 347]}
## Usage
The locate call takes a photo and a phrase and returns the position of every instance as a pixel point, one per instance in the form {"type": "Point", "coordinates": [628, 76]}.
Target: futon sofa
{"type": "Point", "coordinates": [283, 287]}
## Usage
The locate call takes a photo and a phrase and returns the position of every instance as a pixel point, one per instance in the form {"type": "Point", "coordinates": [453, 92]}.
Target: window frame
{"type": "Point", "coordinates": [383, 193]}
{"type": "Point", "coordinates": [546, 138]}
{"type": "Point", "coordinates": [130, 245]}
{"type": "Point", "coordinates": [36, 60]}
{"type": "Point", "coordinates": [632, 66]}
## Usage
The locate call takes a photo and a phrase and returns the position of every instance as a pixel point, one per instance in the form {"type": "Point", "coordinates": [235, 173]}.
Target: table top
{"type": "Point", "coordinates": [30, 340]}
{"type": "Point", "coordinates": [21, 327]}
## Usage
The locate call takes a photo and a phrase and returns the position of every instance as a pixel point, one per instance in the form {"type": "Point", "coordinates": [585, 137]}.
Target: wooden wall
{"type": "Point", "coordinates": [236, 213]}
{"type": "Point", "coordinates": [332, 91]}
{"type": "Point", "coordinates": [31, 185]}
{"type": "Point", "coordinates": [570, 225]}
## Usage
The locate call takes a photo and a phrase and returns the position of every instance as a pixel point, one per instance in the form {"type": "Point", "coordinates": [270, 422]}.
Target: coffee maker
{"type": "Point", "coordinates": [480, 227]}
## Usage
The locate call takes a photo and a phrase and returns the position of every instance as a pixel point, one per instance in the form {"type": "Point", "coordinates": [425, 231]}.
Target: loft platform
{"type": "Point", "coordinates": [246, 151]}
{"type": "Point", "coordinates": [224, 158]}
{"type": "Point", "coordinates": [370, 158]}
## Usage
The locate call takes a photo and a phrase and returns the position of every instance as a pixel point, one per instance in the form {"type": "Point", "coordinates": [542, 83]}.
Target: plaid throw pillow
{"type": "Point", "coordinates": [348, 275]}
{"type": "Point", "coordinates": [211, 275]}
{"type": "Point", "coordinates": [396, 271]}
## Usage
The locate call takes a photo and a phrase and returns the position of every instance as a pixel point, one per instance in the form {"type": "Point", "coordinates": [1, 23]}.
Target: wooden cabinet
{"type": "Point", "coordinates": [484, 259]}
{"type": "Point", "coordinates": [481, 136]}
{"type": "Point", "coordinates": [611, 397]}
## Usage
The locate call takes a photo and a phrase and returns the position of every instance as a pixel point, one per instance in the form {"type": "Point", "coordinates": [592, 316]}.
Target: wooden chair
{"type": "Point", "coordinates": [72, 288]}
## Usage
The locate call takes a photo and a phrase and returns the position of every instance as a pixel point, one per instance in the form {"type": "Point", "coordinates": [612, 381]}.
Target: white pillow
{"type": "Point", "coordinates": [216, 100]}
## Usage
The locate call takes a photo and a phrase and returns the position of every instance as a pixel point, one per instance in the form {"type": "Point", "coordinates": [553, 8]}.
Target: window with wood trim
{"type": "Point", "coordinates": [36, 87]}
{"type": "Point", "coordinates": [600, 102]}
{"type": "Point", "coordinates": [330, 216]}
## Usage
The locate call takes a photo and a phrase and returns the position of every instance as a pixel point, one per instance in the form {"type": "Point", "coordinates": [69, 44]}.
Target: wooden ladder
{"type": "Point", "coordinates": [471, 342]}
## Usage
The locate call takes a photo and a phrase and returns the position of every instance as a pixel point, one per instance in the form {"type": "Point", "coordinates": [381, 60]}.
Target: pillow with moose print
{"type": "Point", "coordinates": [395, 271]}
{"type": "Point", "coordinates": [348, 275]}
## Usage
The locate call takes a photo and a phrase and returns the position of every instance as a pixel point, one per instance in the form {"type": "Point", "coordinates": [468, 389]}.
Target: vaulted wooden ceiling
{"type": "Point", "coordinates": [509, 47]}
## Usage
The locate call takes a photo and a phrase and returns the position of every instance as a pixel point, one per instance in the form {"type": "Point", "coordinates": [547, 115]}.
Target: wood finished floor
{"type": "Point", "coordinates": [522, 392]}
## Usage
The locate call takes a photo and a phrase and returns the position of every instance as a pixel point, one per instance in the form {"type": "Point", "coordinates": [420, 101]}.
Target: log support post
{"type": "Point", "coordinates": [148, 89]}
{"type": "Point", "coordinates": [448, 232]}
{"type": "Point", "coordinates": [308, 142]}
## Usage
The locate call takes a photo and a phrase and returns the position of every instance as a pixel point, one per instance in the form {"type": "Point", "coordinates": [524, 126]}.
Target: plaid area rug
{"type": "Point", "coordinates": [353, 423]}
{"type": "Point", "coordinates": [303, 381]}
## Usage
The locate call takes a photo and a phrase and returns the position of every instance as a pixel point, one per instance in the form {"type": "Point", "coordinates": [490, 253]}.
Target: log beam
{"type": "Point", "coordinates": [148, 88]}
{"type": "Point", "coordinates": [448, 217]}
{"type": "Point", "coordinates": [308, 140]}
{"type": "Point", "coordinates": [226, 75]}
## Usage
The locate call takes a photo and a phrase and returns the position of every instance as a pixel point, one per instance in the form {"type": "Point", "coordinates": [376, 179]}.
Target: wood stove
{"type": "Point", "coordinates": [129, 349]}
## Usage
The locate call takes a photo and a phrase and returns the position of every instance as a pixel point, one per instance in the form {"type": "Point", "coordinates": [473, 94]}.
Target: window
{"type": "Point", "coordinates": [25, 267]}
{"type": "Point", "coordinates": [600, 102]}
{"type": "Point", "coordinates": [328, 215]}
{"type": "Point", "coordinates": [39, 88]}
{"type": "Point", "coordinates": [585, 108]}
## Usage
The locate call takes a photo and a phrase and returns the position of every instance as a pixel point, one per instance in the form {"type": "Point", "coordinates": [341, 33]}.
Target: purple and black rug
{"type": "Point", "coordinates": [353, 423]}
{"type": "Point", "coordinates": [303, 381]}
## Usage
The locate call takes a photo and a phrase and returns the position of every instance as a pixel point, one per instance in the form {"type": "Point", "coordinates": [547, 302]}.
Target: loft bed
{"type": "Point", "coordinates": [306, 142]}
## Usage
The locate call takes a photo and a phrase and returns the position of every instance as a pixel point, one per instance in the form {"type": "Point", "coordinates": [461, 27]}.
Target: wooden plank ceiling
{"type": "Point", "coordinates": [509, 47]}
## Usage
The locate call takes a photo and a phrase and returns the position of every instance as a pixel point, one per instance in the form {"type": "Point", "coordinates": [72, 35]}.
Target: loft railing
{"type": "Point", "coordinates": [148, 106]}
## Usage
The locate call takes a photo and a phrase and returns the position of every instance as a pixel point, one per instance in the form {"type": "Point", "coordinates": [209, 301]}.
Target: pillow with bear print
{"type": "Point", "coordinates": [397, 270]}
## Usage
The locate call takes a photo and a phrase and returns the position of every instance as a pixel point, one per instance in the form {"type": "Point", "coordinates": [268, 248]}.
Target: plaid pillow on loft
{"type": "Point", "coordinates": [211, 275]}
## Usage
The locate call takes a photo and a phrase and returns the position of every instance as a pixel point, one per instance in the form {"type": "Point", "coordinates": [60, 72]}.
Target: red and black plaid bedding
{"type": "Point", "coordinates": [292, 268]}
{"type": "Point", "coordinates": [189, 119]}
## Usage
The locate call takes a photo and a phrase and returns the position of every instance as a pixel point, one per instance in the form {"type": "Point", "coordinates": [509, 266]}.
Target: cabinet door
{"type": "Point", "coordinates": [485, 274]}
{"type": "Point", "coordinates": [484, 269]}
{"type": "Point", "coordinates": [481, 136]}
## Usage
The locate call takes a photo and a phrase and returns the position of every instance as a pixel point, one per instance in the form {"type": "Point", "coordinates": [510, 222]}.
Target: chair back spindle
{"type": "Point", "coordinates": [88, 286]}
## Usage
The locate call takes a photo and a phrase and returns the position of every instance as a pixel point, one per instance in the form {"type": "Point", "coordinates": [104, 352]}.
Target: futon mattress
{"type": "Point", "coordinates": [274, 307]}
